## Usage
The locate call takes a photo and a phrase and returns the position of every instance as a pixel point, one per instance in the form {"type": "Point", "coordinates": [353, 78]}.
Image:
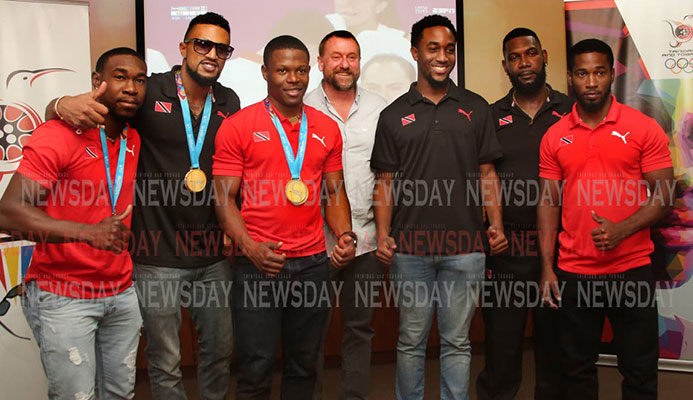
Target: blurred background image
{"type": "Point", "coordinates": [382, 28]}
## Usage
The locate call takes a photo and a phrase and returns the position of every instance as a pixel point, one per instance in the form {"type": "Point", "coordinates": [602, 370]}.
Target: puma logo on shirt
{"type": "Point", "coordinates": [320, 140]}
{"type": "Point", "coordinates": [622, 137]}
{"type": "Point", "coordinates": [466, 114]}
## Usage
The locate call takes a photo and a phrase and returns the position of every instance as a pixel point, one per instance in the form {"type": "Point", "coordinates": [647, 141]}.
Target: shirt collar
{"type": "Point", "coordinates": [554, 99]}
{"type": "Point", "coordinates": [611, 116]}
{"type": "Point", "coordinates": [414, 96]}
{"type": "Point", "coordinates": [326, 99]}
{"type": "Point", "coordinates": [170, 90]}
{"type": "Point", "coordinates": [507, 102]}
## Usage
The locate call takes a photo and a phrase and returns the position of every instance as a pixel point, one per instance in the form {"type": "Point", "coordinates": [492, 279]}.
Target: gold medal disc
{"type": "Point", "coordinates": [195, 180]}
{"type": "Point", "coordinates": [296, 192]}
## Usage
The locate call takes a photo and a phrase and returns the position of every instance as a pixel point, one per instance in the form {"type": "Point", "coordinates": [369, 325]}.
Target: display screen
{"type": "Point", "coordinates": [382, 28]}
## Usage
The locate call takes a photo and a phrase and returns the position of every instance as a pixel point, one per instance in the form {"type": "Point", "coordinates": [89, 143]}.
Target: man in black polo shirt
{"type": "Point", "coordinates": [521, 118]}
{"type": "Point", "coordinates": [434, 151]}
{"type": "Point", "coordinates": [178, 244]}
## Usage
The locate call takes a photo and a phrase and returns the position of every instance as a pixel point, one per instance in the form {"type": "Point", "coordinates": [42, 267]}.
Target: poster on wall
{"type": "Point", "coordinates": [653, 51]}
{"type": "Point", "coordinates": [381, 27]}
{"type": "Point", "coordinates": [45, 53]}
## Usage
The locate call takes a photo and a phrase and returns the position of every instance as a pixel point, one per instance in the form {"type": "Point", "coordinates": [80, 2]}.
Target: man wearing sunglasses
{"type": "Point", "coordinates": [178, 245]}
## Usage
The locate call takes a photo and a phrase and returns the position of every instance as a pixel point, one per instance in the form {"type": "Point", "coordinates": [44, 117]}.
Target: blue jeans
{"type": "Point", "coordinates": [293, 307]}
{"type": "Point", "coordinates": [450, 285]}
{"type": "Point", "coordinates": [206, 293]}
{"type": "Point", "coordinates": [88, 346]}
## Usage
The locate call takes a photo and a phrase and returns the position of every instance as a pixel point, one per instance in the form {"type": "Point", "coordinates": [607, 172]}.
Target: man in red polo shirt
{"type": "Point", "coordinates": [279, 151]}
{"type": "Point", "coordinates": [73, 195]}
{"type": "Point", "coordinates": [615, 170]}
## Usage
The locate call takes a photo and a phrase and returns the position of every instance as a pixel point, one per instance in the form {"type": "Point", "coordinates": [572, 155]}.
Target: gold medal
{"type": "Point", "coordinates": [296, 192]}
{"type": "Point", "coordinates": [195, 180]}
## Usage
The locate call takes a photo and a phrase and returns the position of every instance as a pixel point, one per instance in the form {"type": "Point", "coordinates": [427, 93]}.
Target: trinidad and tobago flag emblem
{"type": "Point", "coordinates": [408, 119]}
{"type": "Point", "coordinates": [162, 107]}
{"type": "Point", "coordinates": [505, 120]}
{"type": "Point", "coordinates": [566, 140]}
{"type": "Point", "coordinates": [91, 152]}
{"type": "Point", "coordinates": [261, 136]}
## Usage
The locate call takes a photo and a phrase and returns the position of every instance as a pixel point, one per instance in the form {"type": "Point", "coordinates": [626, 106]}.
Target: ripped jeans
{"type": "Point", "coordinates": [88, 346]}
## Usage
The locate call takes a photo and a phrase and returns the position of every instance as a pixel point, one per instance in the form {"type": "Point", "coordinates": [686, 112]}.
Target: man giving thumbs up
{"type": "Point", "coordinates": [73, 195]}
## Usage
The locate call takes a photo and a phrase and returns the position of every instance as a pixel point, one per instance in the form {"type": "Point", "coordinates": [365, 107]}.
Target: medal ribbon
{"type": "Point", "coordinates": [120, 167]}
{"type": "Point", "coordinates": [295, 163]}
{"type": "Point", "coordinates": [194, 148]}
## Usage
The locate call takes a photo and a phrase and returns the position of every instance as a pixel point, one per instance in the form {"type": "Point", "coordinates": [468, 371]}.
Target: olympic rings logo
{"type": "Point", "coordinates": [677, 66]}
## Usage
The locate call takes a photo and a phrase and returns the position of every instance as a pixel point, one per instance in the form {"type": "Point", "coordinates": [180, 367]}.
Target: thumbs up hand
{"type": "Point", "coordinates": [607, 235]}
{"type": "Point", "coordinates": [83, 111]}
{"type": "Point", "coordinates": [267, 257]}
{"type": "Point", "coordinates": [111, 233]}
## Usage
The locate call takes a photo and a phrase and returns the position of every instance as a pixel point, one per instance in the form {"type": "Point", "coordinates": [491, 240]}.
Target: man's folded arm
{"type": "Point", "coordinates": [21, 217]}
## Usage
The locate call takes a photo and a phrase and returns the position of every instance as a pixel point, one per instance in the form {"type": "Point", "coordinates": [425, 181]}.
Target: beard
{"type": "Point", "coordinates": [335, 83]}
{"type": "Point", "coordinates": [121, 117]}
{"type": "Point", "coordinates": [596, 105]}
{"type": "Point", "coordinates": [437, 84]}
{"type": "Point", "coordinates": [118, 115]}
{"type": "Point", "coordinates": [200, 79]}
{"type": "Point", "coordinates": [530, 87]}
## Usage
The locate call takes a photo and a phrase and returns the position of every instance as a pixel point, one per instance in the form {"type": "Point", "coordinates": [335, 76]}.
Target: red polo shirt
{"type": "Point", "coordinates": [248, 146]}
{"type": "Point", "coordinates": [602, 170]}
{"type": "Point", "coordinates": [71, 167]}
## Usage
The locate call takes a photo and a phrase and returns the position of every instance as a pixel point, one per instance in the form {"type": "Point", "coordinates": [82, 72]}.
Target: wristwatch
{"type": "Point", "coordinates": [352, 235]}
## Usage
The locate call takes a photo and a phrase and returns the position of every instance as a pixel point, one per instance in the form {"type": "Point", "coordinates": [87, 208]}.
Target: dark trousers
{"type": "Point", "coordinates": [357, 330]}
{"type": "Point", "coordinates": [509, 293]}
{"type": "Point", "coordinates": [292, 307]}
{"type": "Point", "coordinates": [587, 300]}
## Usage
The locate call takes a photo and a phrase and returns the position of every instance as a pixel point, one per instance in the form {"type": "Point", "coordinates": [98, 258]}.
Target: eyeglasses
{"type": "Point", "coordinates": [5, 303]}
{"type": "Point", "coordinates": [204, 46]}
{"type": "Point", "coordinates": [5, 306]}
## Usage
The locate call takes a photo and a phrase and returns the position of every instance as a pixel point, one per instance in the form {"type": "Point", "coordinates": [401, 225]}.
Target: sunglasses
{"type": "Point", "coordinates": [5, 306]}
{"type": "Point", "coordinates": [204, 46]}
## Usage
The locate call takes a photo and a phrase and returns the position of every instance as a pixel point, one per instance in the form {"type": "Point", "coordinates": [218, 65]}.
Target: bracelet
{"type": "Point", "coordinates": [55, 107]}
{"type": "Point", "coordinates": [352, 235]}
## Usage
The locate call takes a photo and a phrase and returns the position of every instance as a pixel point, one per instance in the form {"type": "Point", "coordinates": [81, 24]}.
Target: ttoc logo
{"type": "Point", "coordinates": [17, 121]}
{"type": "Point", "coordinates": [679, 65]}
{"type": "Point", "coordinates": [17, 118]}
{"type": "Point", "coordinates": [681, 31]}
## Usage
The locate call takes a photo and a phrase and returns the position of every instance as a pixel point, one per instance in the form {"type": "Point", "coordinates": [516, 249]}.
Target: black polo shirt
{"type": "Point", "coordinates": [435, 151]}
{"type": "Point", "coordinates": [518, 169]}
{"type": "Point", "coordinates": [171, 226]}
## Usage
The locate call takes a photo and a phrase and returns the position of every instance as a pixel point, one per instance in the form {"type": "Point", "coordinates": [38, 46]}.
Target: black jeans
{"type": "Point", "coordinates": [292, 306]}
{"type": "Point", "coordinates": [510, 292]}
{"type": "Point", "coordinates": [587, 300]}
